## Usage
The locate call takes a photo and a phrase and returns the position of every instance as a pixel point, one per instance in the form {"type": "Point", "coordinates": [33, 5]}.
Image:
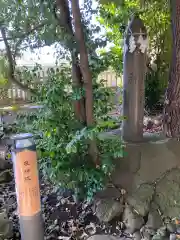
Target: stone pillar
{"type": "Point", "coordinates": [134, 71]}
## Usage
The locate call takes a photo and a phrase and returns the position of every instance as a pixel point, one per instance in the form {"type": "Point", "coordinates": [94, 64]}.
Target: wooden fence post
{"type": "Point", "coordinates": [134, 71]}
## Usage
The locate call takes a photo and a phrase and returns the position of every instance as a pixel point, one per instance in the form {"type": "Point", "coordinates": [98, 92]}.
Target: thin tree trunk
{"type": "Point", "coordinates": [11, 63]}
{"type": "Point", "coordinates": [172, 100]}
{"type": "Point", "coordinates": [86, 73]}
{"type": "Point", "coordinates": [84, 63]}
{"type": "Point", "coordinates": [79, 105]}
{"type": "Point", "coordinates": [65, 22]}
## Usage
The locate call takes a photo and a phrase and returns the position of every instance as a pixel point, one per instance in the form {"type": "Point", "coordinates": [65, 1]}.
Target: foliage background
{"type": "Point", "coordinates": [114, 16]}
{"type": "Point", "coordinates": [63, 149]}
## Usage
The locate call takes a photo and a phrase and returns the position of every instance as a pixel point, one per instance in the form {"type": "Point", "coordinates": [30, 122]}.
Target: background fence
{"type": "Point", "coordinates": [12, 94]}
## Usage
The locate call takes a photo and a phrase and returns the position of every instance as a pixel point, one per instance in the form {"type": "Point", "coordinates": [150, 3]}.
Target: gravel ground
{"type": "Point", "coordinates": [63, 217]}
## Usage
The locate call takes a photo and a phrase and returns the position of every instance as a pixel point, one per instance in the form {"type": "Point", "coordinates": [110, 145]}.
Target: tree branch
{"type": "Point", "coordinates": [24, 35]}
{"type": "Point", "coordinates": [11, 71]}
{"type": "Point", "coordinates": [64, 21]}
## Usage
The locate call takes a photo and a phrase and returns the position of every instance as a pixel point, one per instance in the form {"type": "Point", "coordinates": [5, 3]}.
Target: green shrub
{"type": "Point", "coordinates": [154, 91]}
{"type": "Point", "coordinates": [63, 149]}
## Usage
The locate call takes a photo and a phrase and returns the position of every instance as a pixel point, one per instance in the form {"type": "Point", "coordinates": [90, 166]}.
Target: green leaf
{"type": "Point", "coordinates": [78, 93]}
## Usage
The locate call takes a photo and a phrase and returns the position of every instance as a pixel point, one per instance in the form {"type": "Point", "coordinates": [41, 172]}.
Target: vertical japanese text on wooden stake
{"type": "Point", "coordinates": [27, 183]}
{"type": "Point", "coordinates": [24, 159]}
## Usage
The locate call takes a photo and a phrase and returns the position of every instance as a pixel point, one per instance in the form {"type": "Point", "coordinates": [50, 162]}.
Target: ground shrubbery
{"type": "Point", "coordinates": [63, 149]}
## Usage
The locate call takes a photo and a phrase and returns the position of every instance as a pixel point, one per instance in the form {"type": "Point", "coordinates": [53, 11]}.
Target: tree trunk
{"type": "Point", "coordinates": [79, 105]}
{"type": "Point", "coordinates": [172, 100]}
{"type": "Point", "coordinates": [84, 63]}
{"type": "Point", "coordinates": [86, 73]}
{"type": "Point", "coordinates": [65, 22]}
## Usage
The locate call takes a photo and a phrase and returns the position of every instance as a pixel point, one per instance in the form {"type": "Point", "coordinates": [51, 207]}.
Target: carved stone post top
{"type": "Point", "coordinates": [136, 26]}
{"type": "Point", "coordinates": [136, 36]}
